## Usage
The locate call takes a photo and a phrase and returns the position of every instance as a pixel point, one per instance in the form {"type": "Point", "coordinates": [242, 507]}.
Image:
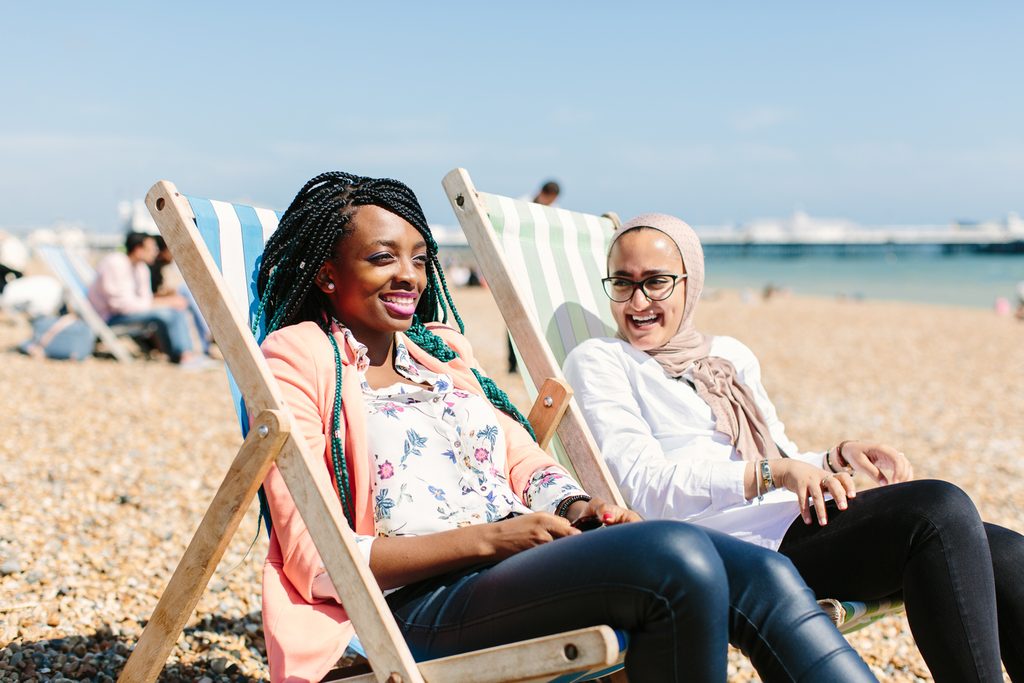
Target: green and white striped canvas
{"type": "Point", "coordinates": [557, 257]}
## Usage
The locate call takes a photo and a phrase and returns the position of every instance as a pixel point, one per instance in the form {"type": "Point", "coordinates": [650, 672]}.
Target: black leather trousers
{"type": "Point", "coordinates": [962, 579]}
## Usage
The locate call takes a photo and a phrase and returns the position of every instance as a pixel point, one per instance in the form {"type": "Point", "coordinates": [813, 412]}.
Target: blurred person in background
{"type": "Point", "coordinates": [1020, 301]}
{"type": "Point", "coordinates": [167, 281]}
{"type": "Point", "coordinates": [13, 258]}
{"type": "Point", "coordinates": [122, 293]}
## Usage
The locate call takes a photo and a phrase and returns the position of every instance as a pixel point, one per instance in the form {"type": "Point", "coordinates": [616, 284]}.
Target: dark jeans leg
{"type": "Point", "coordinates": [171, 329]}
{"type": "Point", "coordinates": [775, 620]}
{"type": "Point", "coordinates": [663, 582]}
{"type": "Point", "coordinates": [923, 538]}
{"type": "Point", "coordinates": [660, 581]}
{"type": "Point", "coordinates": [1007, 549]}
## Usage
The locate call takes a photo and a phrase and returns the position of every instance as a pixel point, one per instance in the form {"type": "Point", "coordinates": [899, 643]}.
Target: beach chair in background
{"type": "Point", "coordinates": [544, 267]}
{"type": "Point", "coordinates": [218, 246]}
{"type": "Point", "coordinates": [76, 275]}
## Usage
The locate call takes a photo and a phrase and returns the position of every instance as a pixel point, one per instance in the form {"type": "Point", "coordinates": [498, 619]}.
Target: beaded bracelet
{"type": "Point", "coordinates": [563, 507]}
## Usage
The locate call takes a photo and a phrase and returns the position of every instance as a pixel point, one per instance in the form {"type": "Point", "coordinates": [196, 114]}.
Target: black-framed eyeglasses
{"type": "Point", "coordinates": [656, 287]}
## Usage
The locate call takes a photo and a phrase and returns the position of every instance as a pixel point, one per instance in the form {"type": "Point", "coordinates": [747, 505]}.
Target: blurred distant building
{"type": "Point", "coordinates": [804, 234]}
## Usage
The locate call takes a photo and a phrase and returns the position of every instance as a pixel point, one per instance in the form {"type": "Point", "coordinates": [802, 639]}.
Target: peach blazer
{"type": "Point", "coordinates": [305, 636]}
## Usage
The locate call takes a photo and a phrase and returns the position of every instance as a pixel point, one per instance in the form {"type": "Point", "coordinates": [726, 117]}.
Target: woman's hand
{"type": "Point", "coordinates": [524, 532]}
{"type": "Point", "coordinates": [812, 483]}
{"type": "Point", "coordinates": [607, 513]}
{"type": "Point", "coordinates": [876, 460]}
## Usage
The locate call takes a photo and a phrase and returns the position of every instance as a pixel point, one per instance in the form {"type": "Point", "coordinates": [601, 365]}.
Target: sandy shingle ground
{"type": "Point", "coordinates": [106, 470]}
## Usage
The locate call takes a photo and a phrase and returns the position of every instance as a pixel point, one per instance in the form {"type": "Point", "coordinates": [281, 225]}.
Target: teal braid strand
{"type": "Point", "coordinates": [263, 304]}
{"type": "Point", "coordinates": [436, 347]}
{"type": "Point", "coordinates": [448, 299]}
{"type": "Point", "coordinates": [430, 342]}
{"type": "Point", "coordinates": [337, 448]}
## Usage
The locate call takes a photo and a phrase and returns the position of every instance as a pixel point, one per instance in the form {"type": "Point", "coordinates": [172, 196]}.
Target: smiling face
{"type": "Point", "coordinates": [375, 278]}
{"type": "Point", "coordinates": [639, 254]}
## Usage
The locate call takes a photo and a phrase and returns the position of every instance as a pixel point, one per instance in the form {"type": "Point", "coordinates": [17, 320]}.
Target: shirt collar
{"type": "Point", "coordinates": [356, 349]}
{"type": "Point", "coordinates": [404, 363]}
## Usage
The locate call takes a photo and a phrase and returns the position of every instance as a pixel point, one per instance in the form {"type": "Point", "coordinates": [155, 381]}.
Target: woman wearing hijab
{"type": "Point", "coordinates": [689, 432]}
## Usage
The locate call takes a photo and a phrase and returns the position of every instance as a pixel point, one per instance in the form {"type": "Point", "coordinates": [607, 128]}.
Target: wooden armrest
{"type": "Point", "coordinates": [548, 409]}
{"type": "Point", "coordinates": [539, 659]}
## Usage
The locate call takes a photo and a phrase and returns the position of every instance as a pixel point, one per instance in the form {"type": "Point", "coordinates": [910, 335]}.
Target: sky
{"type": "Point", "coordinates": [879, 112]}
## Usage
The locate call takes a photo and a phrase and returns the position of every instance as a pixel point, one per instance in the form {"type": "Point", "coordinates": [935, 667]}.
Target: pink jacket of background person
{"type": "Point", "coordinates": [305, 636]}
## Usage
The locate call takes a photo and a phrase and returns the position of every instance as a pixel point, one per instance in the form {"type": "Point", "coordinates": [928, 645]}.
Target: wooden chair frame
{"type": "Point", "coordinates": [273, 439]}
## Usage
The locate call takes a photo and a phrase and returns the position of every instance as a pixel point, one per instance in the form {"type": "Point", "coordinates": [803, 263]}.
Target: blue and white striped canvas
{"type": "Point", "coordinates": [235, 235]}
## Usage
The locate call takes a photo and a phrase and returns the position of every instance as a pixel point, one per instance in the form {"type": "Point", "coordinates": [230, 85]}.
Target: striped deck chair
{"type": "Point", "coordinates": [76, 275]}
{"type": "Point", "coordinates": [544, 266]}
{"type": "Point", "coordinates": [218, 246]}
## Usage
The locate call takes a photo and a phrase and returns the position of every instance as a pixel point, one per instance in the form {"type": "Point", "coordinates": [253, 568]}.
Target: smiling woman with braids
{"type": "Point", "coordinates": [465, 523]}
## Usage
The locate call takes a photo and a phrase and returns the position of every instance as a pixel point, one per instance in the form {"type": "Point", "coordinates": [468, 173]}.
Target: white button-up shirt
{"type": "Point", "coordinates": [659, 440]}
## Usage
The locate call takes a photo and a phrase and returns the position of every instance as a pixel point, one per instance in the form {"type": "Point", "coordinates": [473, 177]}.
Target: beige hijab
{"type": "Point", "coordinates": [732, 403]}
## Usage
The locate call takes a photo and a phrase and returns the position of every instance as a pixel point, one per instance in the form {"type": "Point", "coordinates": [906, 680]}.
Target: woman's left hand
{"type": "Point", "coordinates": [607, 513]}
{"type": "Point", "coordinates": [882, 463]}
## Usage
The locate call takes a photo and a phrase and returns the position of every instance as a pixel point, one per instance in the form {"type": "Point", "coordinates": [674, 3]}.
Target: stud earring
{"type": "Point", "coordinates": [330, 286]}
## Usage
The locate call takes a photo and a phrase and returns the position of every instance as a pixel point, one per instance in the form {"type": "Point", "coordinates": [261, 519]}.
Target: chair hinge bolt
{"type": "Point", "coordinates": [263, 431]}
{"type": "Point", "coordinates": [548, 401]}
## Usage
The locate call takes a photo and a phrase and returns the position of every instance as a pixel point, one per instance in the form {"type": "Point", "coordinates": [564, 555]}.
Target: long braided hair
{"type": "Point", "coordinates": [317, 218]}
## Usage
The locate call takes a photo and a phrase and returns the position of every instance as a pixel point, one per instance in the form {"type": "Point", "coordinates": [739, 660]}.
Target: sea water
{"type": "Point", "coordinates": [975, 280]}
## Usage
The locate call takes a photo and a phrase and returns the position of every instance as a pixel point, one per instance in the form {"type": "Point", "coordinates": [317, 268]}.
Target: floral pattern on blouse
{"type": "Point", "coordinates": [440, 454]}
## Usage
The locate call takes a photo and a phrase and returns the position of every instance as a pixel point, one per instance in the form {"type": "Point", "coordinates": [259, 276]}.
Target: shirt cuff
{"type": "Point", "coordinates": [726, 484]}
{"type": "Point", "coordinates": [549, 487]}
{"type": "Point", "coordinates": [816, 458]}
{"type": "Point", "coordinates": [323, 588]}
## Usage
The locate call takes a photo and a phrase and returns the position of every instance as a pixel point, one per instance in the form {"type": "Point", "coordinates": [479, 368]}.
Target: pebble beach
{"type": "Point", "coordinates": [106, 469]}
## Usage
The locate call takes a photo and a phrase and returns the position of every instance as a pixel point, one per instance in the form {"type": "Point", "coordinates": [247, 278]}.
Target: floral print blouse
{"type": "Point", "coordinates": [440, 457]}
